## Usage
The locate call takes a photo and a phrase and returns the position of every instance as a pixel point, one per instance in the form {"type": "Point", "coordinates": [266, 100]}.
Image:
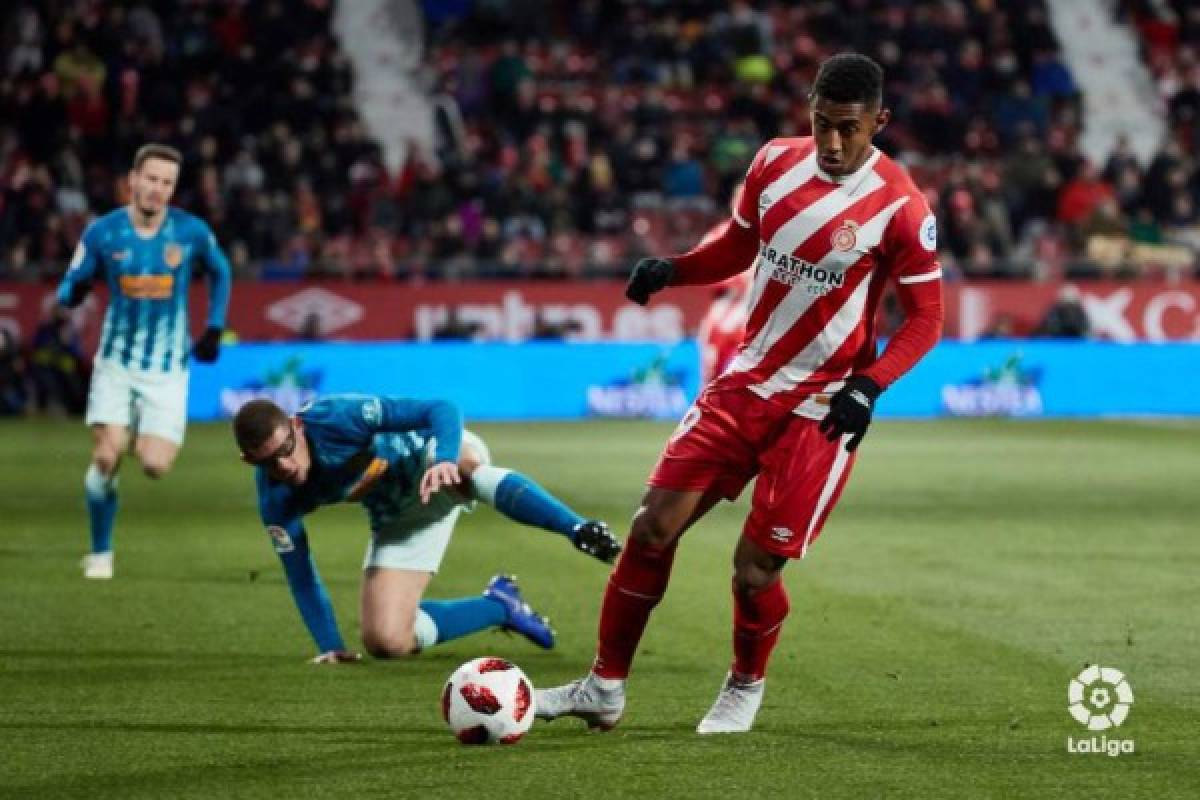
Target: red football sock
{"type": "Point", "coordinates": [634, 589]}
{"type": "Point", "coordinates": [757, 620]}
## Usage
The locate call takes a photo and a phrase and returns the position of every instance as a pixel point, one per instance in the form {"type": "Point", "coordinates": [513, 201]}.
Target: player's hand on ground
{"type": "Point", "coordinates": [337, 657]}
{"type": "Point", "coordinates": [437, 477]}
{"type": "Point", "coordinates": [208, 346]}
{"type": "Point", "coordinates": [649, 276]}
{"type": "Point", "coordinates": [850, 411]}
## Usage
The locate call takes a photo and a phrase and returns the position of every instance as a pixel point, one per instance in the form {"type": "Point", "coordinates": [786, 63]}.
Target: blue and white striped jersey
{"type": "Point", "coordinates": [146, 323]}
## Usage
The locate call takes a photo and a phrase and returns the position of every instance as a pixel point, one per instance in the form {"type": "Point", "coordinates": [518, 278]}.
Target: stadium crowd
{"type": "Point", "coordinates": [575, 137]}
{"type": "Point", "coordinates": [256, 96]}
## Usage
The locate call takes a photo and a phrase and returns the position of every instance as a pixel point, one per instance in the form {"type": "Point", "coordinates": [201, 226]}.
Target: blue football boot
{"type": "Point", "coordinates": [521, 618]}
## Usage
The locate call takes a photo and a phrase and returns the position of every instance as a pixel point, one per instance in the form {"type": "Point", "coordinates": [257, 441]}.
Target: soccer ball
{"type": "Point", "coordinates": [488, 700]}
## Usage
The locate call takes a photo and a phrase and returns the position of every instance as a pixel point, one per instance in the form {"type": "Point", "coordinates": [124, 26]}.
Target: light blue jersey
{"type": "Point", "coordinates": [146, 323]}
{"type": "Point", "coordinates": [365, 449]}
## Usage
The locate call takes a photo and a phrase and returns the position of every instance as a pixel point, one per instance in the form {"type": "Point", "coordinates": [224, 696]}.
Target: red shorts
{"type": "Point", "coordinates": [731, 435]}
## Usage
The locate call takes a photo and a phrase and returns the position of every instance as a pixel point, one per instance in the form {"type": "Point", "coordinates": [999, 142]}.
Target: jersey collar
{"type": "Point", "coordinates": [852, 181]}
{"type": "Point", "coordinates": [161, 226]}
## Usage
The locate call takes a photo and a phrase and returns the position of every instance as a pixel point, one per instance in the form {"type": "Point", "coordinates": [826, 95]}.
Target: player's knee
{"type": "Point", "coordinates": [105, 461]}
{"type": "Point", "coordinates": [156, 469]}
{"type": "Point", "coordinates": [155, 462]}
{"type": "Point", "coordinates": [753, 578]}
{"type": "Point", "coordinates": [385, 646]}
{"type": "Point", "coordinates": [651, 528]}
{"type": "Point", "coordinates": [468, 462]}
{"type": "Point", "coordinates": [755, 570]}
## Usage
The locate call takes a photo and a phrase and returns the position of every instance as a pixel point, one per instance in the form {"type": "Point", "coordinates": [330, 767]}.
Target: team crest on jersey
{"type": "Point", "coordinates": [173, 255]}
{"type": "Point", "coordinates": [845, 237]}
{"type": "Point", "coordinates": [372, 411]}
{"type": "Point", "coordinates": [928, 234]}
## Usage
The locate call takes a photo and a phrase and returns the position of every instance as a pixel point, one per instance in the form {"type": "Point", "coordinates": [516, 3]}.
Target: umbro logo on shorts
{"type": "Point", "coordinates": [781, 534]}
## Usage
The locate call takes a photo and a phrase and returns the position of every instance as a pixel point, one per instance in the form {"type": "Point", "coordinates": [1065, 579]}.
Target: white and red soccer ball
{"type": "Point", "coordinates": [488, 700]}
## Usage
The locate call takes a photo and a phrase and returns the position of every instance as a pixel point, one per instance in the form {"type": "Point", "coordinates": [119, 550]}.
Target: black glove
{"type": "Point", "coordinates": [850, 410]}
{"type": "Point", "coordinates": [649, 276]}
{"type": "Point", "coordinates": [78, 292]}
{"type": "Point", "coordinates": [206, 348]}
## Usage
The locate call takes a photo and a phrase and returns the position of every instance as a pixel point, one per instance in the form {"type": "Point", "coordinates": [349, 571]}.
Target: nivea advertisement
{"type": "Point", "coordinates": [560, 380]}
{"type": "Point", "coordinates": [492, 381]}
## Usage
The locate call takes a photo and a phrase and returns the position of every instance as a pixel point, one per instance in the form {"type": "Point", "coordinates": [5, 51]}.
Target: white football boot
{"type": "Point", "coordinates": [98, 566]}
{"type": "Point", "coordinates": [735, 707]}
{"type": "Point", "coordinates": [597, 701]}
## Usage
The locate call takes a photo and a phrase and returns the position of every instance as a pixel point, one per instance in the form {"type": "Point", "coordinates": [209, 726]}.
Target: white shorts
{"type": "Point", "coordinates": [418, 539]}
{"type": "Point", "coordinates": [156, 400]}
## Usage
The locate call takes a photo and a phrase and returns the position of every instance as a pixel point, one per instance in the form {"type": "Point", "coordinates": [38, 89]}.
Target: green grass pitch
{"type": "Point", "coordinates": [971, 570]}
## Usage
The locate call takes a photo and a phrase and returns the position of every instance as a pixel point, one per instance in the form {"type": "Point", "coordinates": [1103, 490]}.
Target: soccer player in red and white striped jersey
{"type": "Point", "coordinates": [831, 221]}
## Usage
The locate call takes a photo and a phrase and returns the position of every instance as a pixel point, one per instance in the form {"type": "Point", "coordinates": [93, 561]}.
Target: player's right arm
{"type": "Point", "coordinates": [82, 271]}
{"type": "Point", "coordinates": [362, 416]}
{"type": "Point", "coordinates": [441, 420]}
{"type": "Point", "coordinates": [724, 252]}
{"type": "Point", "coordinates": [285, 528]}
{"type": "Point", "coordinates": [359, 417]}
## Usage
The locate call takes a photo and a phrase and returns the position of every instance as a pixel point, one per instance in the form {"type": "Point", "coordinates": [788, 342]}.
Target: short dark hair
{"type": "Point", "coordinates": [152, 150]}
{"type": "Point", "coordinates": [850, 78]}
{"type": "Point", "coordinates": [255, 422]}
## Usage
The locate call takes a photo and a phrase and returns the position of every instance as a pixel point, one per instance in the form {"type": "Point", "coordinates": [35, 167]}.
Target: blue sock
{"type": "Point", "coordinates": [453, 619]}
{"type": "Point", "coordinates": [102, 507]}
{"type": "Point", "coordinates": [519, 498]}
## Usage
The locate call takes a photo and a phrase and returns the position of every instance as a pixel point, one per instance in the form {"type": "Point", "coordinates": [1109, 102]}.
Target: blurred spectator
{"type": "Point", "coordinates": [1002, 327]}
{"type": "Point", "coordinates": [545, 330]}
{"type": "Point", "coordinates": [455, 328]}
{"type": "Point", "coordinates": [1067, 318]}
{"type": "Point", "coordinates": [57, 365]}
{"type": "Point", "coordinates": [310, 328]}
{"type": "Point", "coordinates": [1106, 219]}
{"type": "Point", "coordinates": [1082, 195]}
{"type": "Point", "coordinates": [13, 390]}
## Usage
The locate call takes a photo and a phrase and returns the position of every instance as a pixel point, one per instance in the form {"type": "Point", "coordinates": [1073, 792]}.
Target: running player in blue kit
{"type": "Point", "coordinates": [414, 469]}
{"type": "Point", "coordinates": [144, 253]}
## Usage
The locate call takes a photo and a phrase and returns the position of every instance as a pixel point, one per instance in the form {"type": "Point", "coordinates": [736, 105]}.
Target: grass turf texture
{"type": "Point", "coordinates": [971, 570]}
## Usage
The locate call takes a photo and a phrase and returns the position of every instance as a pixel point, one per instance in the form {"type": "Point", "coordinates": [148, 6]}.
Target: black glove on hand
{"type": "Point", "coordinates": [649, 276]}
{"type": "Point", "coordinates": [78, 292]}
{"type": "Point", "coordinates": [206, 348]}
{"type": "Point", "coordinates": [850, 410]}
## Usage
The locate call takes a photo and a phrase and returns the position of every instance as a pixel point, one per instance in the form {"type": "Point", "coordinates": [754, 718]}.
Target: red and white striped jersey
{"type": "Point", "coordinates": [827, 249]}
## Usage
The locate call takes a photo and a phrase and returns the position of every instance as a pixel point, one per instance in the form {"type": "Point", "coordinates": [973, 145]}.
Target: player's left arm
{"type": "Point", "coordinates": [220, 280]}
{"type": "Point", "coordinates": [910, 252]}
